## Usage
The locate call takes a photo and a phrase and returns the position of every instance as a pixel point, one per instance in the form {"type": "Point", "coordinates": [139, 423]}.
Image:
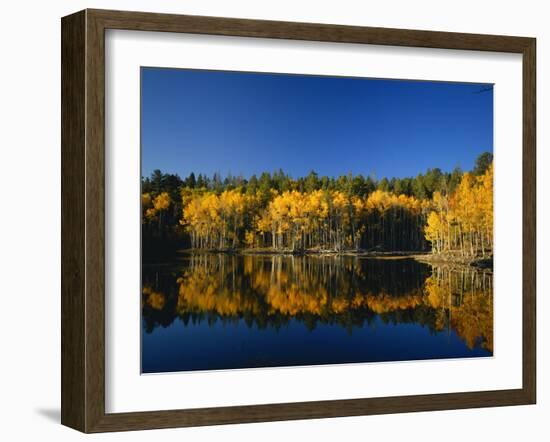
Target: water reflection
{"type": "Point", "coordinates": [270, 292]}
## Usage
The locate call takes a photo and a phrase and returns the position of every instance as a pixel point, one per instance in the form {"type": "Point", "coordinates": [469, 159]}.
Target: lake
{"type": "Point", "coordinates": [218, 311]}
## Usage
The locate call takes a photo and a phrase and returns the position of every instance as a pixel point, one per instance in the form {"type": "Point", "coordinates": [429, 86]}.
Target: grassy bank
{"type": "Point", "coordinates": [456, 259]}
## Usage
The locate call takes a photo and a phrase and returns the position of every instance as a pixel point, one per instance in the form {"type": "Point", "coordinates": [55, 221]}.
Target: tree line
{"type": "Point", "coordinates": [444, 211]}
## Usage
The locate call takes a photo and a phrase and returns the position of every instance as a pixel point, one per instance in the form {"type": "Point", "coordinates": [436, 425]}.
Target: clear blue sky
{"type": "Point", "coordinates": [248, 123]}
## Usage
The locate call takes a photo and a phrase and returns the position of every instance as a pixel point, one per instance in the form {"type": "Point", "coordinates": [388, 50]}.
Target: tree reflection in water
{"type": "Point", "coordinates": [269, 291]}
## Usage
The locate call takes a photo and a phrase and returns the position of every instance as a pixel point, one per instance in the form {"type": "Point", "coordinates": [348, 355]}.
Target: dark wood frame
{"type": "Point", "coordinates": [83, 216]}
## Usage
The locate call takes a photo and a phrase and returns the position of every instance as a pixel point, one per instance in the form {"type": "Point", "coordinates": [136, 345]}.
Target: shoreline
{"type": "Point", "coordinates": [421, 256]}
{"type": "Point", "coordinates": [481, 263]}
{"type": "Point", "coordinates": [307, 252]}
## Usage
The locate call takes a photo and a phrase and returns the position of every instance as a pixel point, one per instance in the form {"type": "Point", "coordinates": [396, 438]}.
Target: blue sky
{"type": "Point", "coordinates": [247, 123]}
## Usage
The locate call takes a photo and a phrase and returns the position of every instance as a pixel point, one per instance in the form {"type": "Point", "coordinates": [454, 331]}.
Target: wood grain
{"type": "Point", "coordinates": [83, 219]}
{"type": "Point", "coordinates": [73, 252]}
{"type": "Point", "coordinates": [529, 221]}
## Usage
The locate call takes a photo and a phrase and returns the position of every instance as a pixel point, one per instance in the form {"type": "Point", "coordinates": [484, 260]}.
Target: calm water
{"type": "Point", "coordinates": [213, 311]}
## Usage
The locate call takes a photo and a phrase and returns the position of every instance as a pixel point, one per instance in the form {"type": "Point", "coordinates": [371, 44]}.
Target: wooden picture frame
{"type": "Point", "coordinates": [83, 220]}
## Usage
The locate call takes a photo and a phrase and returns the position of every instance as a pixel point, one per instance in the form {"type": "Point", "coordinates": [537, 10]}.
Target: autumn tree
{"type": "Point", "coordinates": [463, 221]}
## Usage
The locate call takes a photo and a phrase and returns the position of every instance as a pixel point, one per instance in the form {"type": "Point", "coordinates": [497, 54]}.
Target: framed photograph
{"type": "Point", "coordinates": [269, 220]}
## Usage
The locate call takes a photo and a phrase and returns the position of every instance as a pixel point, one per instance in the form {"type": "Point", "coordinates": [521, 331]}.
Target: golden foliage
{"type": "Point", "coordinates": [463, 221]}
{"type": "Point", "coordinates": [464, 301]}
{"type": "Point", "coordinates": [155, 299]}
{"type": "Point", "coordinates": [294, 220]}
{"type": "Point", "coordinates": [153, 206]}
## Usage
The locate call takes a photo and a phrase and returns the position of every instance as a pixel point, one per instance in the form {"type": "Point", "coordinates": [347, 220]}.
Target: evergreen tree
{"type": "Point", "coordinates": [191, 182]}
{"type": "Point", "coordinates": [483, 161]}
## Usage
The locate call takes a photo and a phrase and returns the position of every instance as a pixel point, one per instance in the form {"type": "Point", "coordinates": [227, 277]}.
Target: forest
{"type": "Point", "coordinates": [442, 212]}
